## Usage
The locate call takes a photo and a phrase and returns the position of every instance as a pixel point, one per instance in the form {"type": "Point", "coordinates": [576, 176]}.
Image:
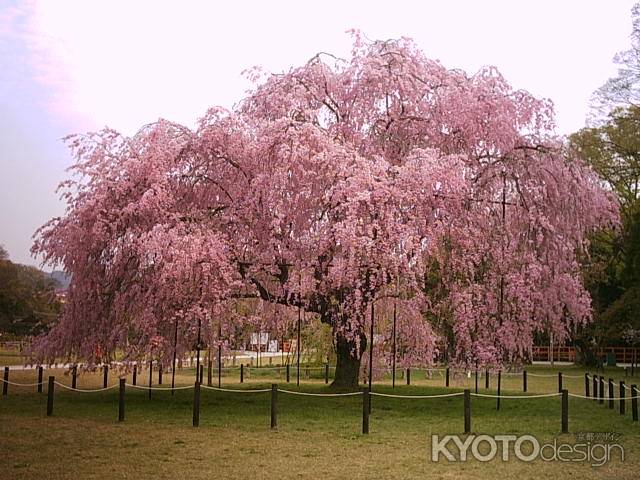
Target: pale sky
{"type": "Point", "coordinates": [76, 66]}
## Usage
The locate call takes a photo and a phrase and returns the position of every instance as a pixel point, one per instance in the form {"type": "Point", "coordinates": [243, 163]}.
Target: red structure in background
{"type": "Point", "coordinates": [568, 354]}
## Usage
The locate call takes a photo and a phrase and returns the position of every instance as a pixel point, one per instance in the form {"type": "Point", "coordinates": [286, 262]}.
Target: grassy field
{"type": "Point", "coordinates": [315, 438]}
{"type": "Point", "coordinates": [11, 357]}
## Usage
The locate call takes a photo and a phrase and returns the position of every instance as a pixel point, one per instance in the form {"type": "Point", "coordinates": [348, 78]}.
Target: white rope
{"type": "Point", "coordinates": [599, 398]}
{"type": "Point", "coordinates": [83, 390]}
{"type": "Point", "coordinates": [444, 395]}
{"type": "Point", "coordinates": [582, 396]}
{"type": "Point", "coordinates": [21, 384]}
{"type": "Point", "coordinates": [240, 390]}
{"type": "Point", "coordinates": [572, 376]}
{"type": "Point", "coordinates": [515, 396]}
{"type": "Point", "coordinates": [164, 389]}
{"type": "Point", "coordinates": [541, 375]}
{"type": "Point", "coordinates": [320, 394]}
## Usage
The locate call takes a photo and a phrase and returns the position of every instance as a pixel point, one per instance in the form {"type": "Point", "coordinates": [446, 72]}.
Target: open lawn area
{"type": "Point", "coordinates": [11, 357]}
{"type": "Point", "coordinates": [317, 437]}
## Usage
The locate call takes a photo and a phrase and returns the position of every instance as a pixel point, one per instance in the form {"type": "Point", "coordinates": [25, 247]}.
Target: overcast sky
{"type": "Point", "coordinates": [75, 66]}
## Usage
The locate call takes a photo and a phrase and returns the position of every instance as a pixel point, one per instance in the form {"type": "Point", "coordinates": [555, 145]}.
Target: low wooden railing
{"type": "Point", "coordinates": [568, 354]}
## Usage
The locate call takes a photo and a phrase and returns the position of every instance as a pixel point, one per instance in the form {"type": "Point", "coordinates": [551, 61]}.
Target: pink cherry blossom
{"type": "Point", "coordinates": [380, 178]}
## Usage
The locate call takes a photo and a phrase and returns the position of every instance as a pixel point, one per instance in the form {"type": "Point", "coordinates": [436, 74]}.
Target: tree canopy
{"type": "Point", "coordinates": [623, 89]}
{"type": "Point", "coordinates": [612, 273]}
{"type": "Point", "coordinates": [611, 146]}
{"type": "Point", "coordinates": [28, 303]}
{"type": "Point", "coordinates": [334, 185]}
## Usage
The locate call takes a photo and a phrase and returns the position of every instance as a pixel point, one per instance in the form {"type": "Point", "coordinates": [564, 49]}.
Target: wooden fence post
{"type": "Point", "coordinates": [446, 378]}
{"type": "Point", "coordinates": [524, 380]}
{"type": "Point", "coordinates": [150, 377]}
{"type": "Point", "coordinates": [601, 389]}
{"type": "Point", "coordinates": [40, 372]}
{"type": "Point", "coordinates": [595, 387]}
{"type": "Point", "coordinates": [201, 376]}
{"type": "Point", "coordinates": [288, 374]}
{"type": "Point", "coordinates": [105, 376]}
{"type": "Point", "coordinates": [5, 384]}
{"type": "Point", "coordinates": [210, 372]}
{"type": "Point", "coordinates": [476, 380]}
{"type": "Point", "coordinates": [242, 373]}
{"type": "Point", "coordinates": [74, 376]}
{"type": "Point", "coordinates": [586, 385]}
{"type": "Point", "coordinates": [611, 395]}
{"type": "Point", "coordinates": [365, 411]}
{"type": "Point", "coordinates": [622, 401]}
{"type": "Point", "coordinates": [486, 378]}
{"type": "Point", "coordinates": [121, 401]}
{"type": "Point", "coordinates": [135, 374]}
{"type": "Point", "coordinates": [160, 371]}
{"type": "Point", "coordinates": [559, 382]}
{"type": "Point", "coordinates": [499, 387]}
{"type": "Point", "coordinates": [326, 373]}
{"type": "Point", "coordinates": [50, 396]}
{"type": "Point", "coordinates": [565, 411]}
{"type": "Point", "coordinates": [274, 405]}
{"type": "Point", "coordinates": [196, 404]}
{"type": "Point", "coordinates": [408, 376]}
{"type": "Point", "coordinates": [467, 411]}
{"type": "Point", "coordinates": [634, 402]}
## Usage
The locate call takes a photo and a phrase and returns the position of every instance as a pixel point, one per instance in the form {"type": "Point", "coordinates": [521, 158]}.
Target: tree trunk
{"type": "Point", "coordinates": [348, 363]}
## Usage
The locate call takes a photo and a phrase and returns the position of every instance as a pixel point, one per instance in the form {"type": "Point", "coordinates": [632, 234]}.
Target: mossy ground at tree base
{"type": "Point", "coordinates": [316, 437]}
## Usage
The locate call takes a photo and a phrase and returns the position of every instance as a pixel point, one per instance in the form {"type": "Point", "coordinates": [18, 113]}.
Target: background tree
{"type": "Point", "coordinates": [611, 146]}
{"type": "Point", "coordinates": [28, 302]}
{"type": "Point", "coordinates": [622, 90]}
{"type": "Point", "coordinates": [613, 150]}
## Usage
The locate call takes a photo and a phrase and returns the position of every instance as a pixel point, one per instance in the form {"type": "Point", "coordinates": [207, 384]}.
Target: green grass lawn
{"type": "Point", "coordinates": [315, 438]}
{"type": "Point", "coordinates": [11, 357]}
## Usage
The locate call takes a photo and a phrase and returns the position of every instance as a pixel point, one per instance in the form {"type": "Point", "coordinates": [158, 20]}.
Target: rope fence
{"type": "Point", "coordinates": [236, 390]}
{"type": "Point", "coordinates": [246, 371]}
{"type": "Point", "coordinates": [544, 395]}
{"type": "Point", "coordinates": [443, 395]}
{"type": "Point", "coordinates": [613, 399]}
{"type": "Point", "coordinates": [307, 394]}
{"type": "Point", "coordinates": [20, 384]}
{"type": "Point", "coordinates": [594, 390]}
{"type": "Point", "coordinates": [82, 390]}
{"type": "Point", "coordinates": [160, 389]}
